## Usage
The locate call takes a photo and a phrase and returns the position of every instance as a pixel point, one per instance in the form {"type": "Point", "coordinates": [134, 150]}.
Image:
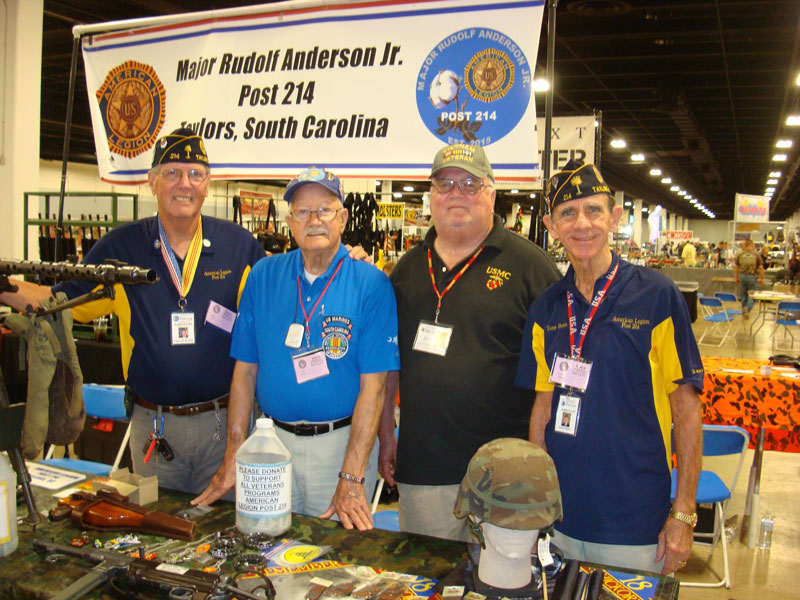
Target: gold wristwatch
{"type": "Point", "coordinates": [689, 519]}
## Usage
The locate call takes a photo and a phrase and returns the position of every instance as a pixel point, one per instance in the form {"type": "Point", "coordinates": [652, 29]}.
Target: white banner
{"type": "Point", "coordinates": [751, 209]}
{"type": "Point", "coordinates": [370, 90]}
{"type": "Point", "coordinates": [571, 138]}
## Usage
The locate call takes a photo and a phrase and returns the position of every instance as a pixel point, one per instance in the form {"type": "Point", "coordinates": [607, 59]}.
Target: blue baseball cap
{"type": "Point", "coordinates": [315, 175]}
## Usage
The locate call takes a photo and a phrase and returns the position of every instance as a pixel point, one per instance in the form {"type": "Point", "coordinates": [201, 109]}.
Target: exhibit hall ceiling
{"type": "Point", "coordinates": [701, 88]}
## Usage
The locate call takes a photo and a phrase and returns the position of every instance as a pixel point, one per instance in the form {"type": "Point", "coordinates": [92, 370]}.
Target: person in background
{"type": "Point", "coordinates": [747, 265]}
{"type": "Point", "coordinates": [611, 345]}
{"type": "Point", "coordinates": [689, 255]}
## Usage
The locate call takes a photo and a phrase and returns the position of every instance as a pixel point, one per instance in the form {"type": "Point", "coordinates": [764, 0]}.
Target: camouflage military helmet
{"type": "Point", "coordinates": [510, 483]}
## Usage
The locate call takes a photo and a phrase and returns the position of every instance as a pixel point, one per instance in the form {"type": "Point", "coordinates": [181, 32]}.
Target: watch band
{"type": "Point", "coordinates": [689, 519]}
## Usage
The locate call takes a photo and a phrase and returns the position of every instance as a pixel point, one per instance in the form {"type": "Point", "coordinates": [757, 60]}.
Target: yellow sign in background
{"type": "Point", "coordinates": [390, 210]}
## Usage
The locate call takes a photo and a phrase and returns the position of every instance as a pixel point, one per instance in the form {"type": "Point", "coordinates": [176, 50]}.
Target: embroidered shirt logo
{"type": "Point", "coordinates": [496, 277]}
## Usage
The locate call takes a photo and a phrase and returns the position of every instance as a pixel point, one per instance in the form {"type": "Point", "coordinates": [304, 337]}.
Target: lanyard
{"type": "Point", "coordinates": [182, 281]}
{"type": "Point", "coordinates": [313, 310]}
{"type": "Point", "coordinates": [452, 283]}
{"type": "Point", "coordinates": [575, 350]}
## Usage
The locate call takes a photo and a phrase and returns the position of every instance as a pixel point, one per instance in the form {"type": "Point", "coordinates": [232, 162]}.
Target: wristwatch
{"type": "Point", "coordinates": [689, 519]}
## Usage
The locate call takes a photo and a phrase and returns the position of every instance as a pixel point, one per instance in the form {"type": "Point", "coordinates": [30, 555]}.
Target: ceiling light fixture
{"type": "Point", "coordinates": [681, 192]}
{"type": "Point", "coordinates": [793, 120]}
{"type": "Point", "coordinates": [637, 157]}
{"type": "Point", "coordinates": [541, 85]}
{"type": "Point", "coordinates": [408, 188]}
{"type": "Point", "coordinates": [618, 143]}
{"type": "Point", "coordinates": [397, 195]}
{"type": "Point", "coordinates": [515, 191]}
{"type": "Point", "coordinates": [772, 181]}
{"type": "Point", "coordinates": [779, 157]}
{"type": "Point", "coordinates": [783, 144]}
{"type": "Point", "coordinates": [655, 172]}
{"type": "Point", "coordinates": [769, 190]}
{"type": "Point", "coordinates": [775, 174]}
{"type": "Point", "coordinates": [674, 188]}
{"type": "Point", "coordinates": [666, 180]}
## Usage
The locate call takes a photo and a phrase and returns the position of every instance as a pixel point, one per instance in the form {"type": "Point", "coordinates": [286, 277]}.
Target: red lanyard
{"type": "Point", "coordinates": [575, 350]}
{"type": "Point", "coordinates": [313, 310]}
{"type": "Point", "coordinates": [452, 283]}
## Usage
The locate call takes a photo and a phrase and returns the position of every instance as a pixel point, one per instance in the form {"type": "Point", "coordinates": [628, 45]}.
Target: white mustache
{"type": "Point", "coordinates": [317, 231]}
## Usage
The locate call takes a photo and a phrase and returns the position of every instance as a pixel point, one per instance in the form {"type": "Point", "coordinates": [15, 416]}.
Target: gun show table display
{"type": "Point", "coordinates": [204, 557]}
{"type": "Point", "coordinates": [742, 391]}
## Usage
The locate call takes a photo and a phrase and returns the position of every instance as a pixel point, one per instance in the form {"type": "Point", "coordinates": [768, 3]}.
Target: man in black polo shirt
{"type": "Point", "coordinates": [462, 299]}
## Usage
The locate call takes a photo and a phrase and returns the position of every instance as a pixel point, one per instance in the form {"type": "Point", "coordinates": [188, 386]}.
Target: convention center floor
{"type": "Point", "coordinates": [754, 573]}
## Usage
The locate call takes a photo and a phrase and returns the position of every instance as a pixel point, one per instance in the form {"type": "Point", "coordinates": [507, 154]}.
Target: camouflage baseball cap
{"type": "Point", "coordinates": [510, 483]}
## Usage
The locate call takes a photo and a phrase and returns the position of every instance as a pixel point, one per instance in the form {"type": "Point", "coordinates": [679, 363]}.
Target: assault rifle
{"type": "Point", "coordinates": [186, 584]}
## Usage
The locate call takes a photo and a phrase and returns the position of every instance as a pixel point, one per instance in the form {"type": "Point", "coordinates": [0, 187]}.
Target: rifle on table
{"type": "Point", "coordinates": [183, 583]}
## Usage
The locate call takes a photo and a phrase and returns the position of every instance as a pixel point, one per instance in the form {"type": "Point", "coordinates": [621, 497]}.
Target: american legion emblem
{"type": "Point", "coordinates": [132, 103]}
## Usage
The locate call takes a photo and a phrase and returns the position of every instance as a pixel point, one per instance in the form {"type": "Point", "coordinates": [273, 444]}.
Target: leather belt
{"type": "Point", "coordinates": [307, 429]}
{"type": "Point", "coordinates": [183, 411]}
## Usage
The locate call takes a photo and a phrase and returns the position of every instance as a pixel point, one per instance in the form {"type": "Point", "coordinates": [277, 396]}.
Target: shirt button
{"type": "Point", "coordinates": [444, 269]}
{"type": "Point", "coordinates": [308, 299]}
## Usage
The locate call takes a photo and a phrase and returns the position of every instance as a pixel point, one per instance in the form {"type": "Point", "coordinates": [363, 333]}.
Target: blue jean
{"type": "Point", "coordinates": [747, 282]}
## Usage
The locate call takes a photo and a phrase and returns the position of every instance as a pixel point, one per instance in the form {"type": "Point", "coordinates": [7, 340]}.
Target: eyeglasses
{"type": "Point", "coordinates": [195, 175]}
{"type": "Point", "coordinates": [323, 214]}
{"type": "Point", "coordinates": [469, 186]}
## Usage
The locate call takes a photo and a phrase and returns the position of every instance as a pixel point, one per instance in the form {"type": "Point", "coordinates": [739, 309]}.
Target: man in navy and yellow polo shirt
{"type": "Point", "coordinates": [174, 334]}
{"type": "Point", "coordinates": [316, 334]}
{"type": "Point", "coordinates": [610, 352]}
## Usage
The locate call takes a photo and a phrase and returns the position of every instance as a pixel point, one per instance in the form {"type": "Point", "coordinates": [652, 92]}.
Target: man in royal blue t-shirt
{"type": "Point", "coordinates": [315, 337]}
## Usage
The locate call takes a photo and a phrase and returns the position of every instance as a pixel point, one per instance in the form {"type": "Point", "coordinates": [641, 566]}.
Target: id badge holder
{"type": "Point", "coordinates": [569, 372]}
{"type": "Point", "coordinates": [310, 364]}
{"type": "Point", "coordinates": [568, 414]}
{"type": "Point", "coordinates": [182, 328]}
{"type": "Point", "coordinates": [433, 338]}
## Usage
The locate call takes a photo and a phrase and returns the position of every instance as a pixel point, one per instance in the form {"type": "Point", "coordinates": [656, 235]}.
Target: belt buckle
{"type": "Point", "coordinates": [308, 429]}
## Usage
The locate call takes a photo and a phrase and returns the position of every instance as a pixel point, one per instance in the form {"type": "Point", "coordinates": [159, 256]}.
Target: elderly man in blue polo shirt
{"type": "Point", "coordinates": [610, 352]}
{"type": "Point", "coordinates": [315, 338]}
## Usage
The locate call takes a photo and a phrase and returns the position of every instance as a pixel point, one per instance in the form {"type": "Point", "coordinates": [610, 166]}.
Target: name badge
{"type": "Point", "coordinates": [433, 338]}
{"type": "Point", "coordinates": [182, 326]}
{"type": "Point", "coordinates": [219, 316]}
{"type": "Point", "coordinates": [568, 414]}
{"type": "Point", "coordinates": [294, 337]}
{"type": "Point", "coordinates": [570, 372]}
{"type": "Point", "coordinates": [310, 365]}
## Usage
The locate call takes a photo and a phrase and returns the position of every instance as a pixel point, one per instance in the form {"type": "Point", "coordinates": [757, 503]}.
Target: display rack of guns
{"type": "Point", "coordinates": [189, 584]}
{"type": "Point", "coordinates": [107, 274]}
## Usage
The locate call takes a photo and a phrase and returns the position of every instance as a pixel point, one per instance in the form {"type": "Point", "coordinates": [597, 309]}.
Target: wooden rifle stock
{"type": "Point", "coordinates": [109, 510]}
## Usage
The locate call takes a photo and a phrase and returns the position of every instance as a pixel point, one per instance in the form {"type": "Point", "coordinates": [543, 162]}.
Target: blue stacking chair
{"type": "Point", "coordinates": [718, 440]}
{"type": "Point", "coordinates": [102, 402]}
{"type": "Point", "coordinates": [788, 318]}
{"type": "Point", "coordinates": [715, 314]}
{"type": "Point", "coordinates": [727, 297]}
{"type": "Point", "coordinates": [385, 519]}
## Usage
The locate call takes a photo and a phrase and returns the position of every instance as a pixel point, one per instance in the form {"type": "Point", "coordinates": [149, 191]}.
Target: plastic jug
{"type": "Point", "coordinates": [263, 482]}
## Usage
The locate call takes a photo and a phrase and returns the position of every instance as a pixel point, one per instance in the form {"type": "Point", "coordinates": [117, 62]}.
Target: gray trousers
{"type": "Point", "coordinates": [197, 454]}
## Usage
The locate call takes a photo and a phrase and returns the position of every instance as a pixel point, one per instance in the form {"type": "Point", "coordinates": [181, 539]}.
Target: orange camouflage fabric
{"type": "Point", "coordinates": [752, 400]}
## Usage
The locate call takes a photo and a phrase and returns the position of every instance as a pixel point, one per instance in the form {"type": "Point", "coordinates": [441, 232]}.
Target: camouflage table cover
{"type": "Point", "coordinates": [25, 574]}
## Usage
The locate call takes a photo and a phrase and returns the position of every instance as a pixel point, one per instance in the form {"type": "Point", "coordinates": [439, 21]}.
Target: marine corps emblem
{"type": "Point", "coordinates": [489, 75]}
{"type": "Point", "coordinates": [132, 103]}
{"type": "Point", "coordinates": [494, 282]}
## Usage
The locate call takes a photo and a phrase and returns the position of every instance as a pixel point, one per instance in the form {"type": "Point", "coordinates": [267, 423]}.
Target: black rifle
{"type": "Point", "coordinates": [186, 584]}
